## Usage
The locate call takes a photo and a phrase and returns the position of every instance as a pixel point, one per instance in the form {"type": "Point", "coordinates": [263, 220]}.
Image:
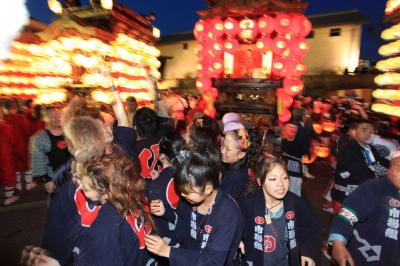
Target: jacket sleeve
{"type": "Point", "coordinates": [358, 207]}
{"type": "Point", "coordinates": [309, 230]}
{"type": "Point", "coordinates": [217, 249]}
{"type": "Point", "coordinates": [125, 137]}
{"type": "Point", "coordinates": [40, 163]}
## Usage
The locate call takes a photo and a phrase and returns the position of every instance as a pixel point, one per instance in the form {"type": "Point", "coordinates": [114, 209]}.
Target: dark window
{"type": "Point", "coordinates": [310, 35]}
{"type": "Point", "coordinates": [334, 32]}
{"type": "Point", "coordinates": [185, 46]}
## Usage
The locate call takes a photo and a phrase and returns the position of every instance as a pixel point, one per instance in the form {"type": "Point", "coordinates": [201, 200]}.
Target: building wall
{"type": "Point", "coordinates": [327, 54]}
{"type": "Point", "coordinates": [183, 62]}
{"type": "Point", "coordinates": [334, 54]}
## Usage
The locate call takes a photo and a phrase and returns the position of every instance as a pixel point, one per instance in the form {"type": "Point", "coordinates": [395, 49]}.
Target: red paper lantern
{"type": "Point", "coordinates": [308, 159]}
{"type": "Point", "coordinates": [203, 84]}
{"type": "Point", "coordinates": [284, 116]}
{"type": "Point", "coordinates": [231, 27]}
{"type": "Point", "coordinates": [328, 126]}
{"type": "Point", "coordinates": [218, 48]}
{"type": "Point", "coordinates": [301, 25]}
{"type": "Point", "coordinates": [287, 100]}
{"type": "Point", "coordinates": [296, 68]}
{"type": "Point", "coordinates": [317, 128]}
{"type": "Point", "coordinates": [283, 23]}
{"type": "Point", "coordinates": [218, 67]}
{"type": "Point", "coordinates": [248, 29]}
{"type": "Point", "coordinates": [217, 28]}
{"type": "Point", "coordinates": [300, 47]}
{"type": "Point", "coordinates": [266, 24]}
{"type": "Point", "coordinates": [278, 66]}
{"type": "Point", "coordinates": [293, 86]}
{"type": "Point", "coordinates": [280, 45]}
{"type": "Point", "coordinates": [264, 44]}
{"type": "Point", "coordinates": [200, 31]}
{"type": "Point", "coordinates": [231, 45]}
{"type": "Point", "coordinates": [322, 151]}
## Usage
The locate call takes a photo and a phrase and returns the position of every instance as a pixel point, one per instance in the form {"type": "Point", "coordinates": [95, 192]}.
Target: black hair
{"type": "Point", "coordinates": [200, 136]}
{"type": "Point", "coordinates": [201, 168]}
{"type": "Point", "coordinates": [146, 122]}
{"type": "Point", "coordinates": [174, 147]}
{"type": "Point", "coordinates": [357, 123]}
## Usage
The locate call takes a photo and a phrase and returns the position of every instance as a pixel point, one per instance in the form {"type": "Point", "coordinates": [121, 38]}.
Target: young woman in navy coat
{"type": "Point", "coordinates": [208, 221]}
{"type": "Point", "coordinates": [279, 227]}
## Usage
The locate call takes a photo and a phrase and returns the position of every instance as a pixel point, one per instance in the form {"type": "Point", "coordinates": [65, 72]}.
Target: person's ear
{"type": "Point", "coordinates": [241, 155]}
{"type": "Point", "coordinates": [209, 189]}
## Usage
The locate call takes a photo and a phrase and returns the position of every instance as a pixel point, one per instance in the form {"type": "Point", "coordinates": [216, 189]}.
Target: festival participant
{"type": "Point", "coordinates": [161, 186]}
{"type": "Point", "coordinates": [366, 230]}
{"type": "Point", "coordinates": [236, 155]}
{"type": "Point", "coordinates": [111, 214]}
{"type": "Point", "coordinates": [8, 142]}
{"type": "Point", "coordinates": [280, 229]}
{"type": "Point", "coordinates": [49, 149]}
{"type": "Point", "coordinates": [209, 224]}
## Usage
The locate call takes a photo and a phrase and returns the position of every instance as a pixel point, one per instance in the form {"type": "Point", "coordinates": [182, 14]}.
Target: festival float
{"type": "Point", "coordinates": [86, 49]}
{"type": "Point", "coordinates": [388, 96]}
{"type": "Point", "coordinates": [251, 56]}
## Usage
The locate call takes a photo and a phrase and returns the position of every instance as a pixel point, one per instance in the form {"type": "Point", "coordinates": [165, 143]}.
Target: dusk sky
{"type": "Point", "coordinates": [180, 15]}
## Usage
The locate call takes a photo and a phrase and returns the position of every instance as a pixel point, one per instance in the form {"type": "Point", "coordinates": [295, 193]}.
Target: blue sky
{"type": "Point", "coordinates": [180, 15]}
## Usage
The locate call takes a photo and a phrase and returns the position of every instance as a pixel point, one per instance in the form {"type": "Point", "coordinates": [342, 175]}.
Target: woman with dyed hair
{"type": "Point", "coordinates": [280, 229]}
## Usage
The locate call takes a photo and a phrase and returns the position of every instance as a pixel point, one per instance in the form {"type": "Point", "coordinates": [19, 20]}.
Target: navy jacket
{"type": "Point", "coordinates": [304, 232]}
{"type": "Point", "coordinates": [369, 222]}
{"type": "Point", "coordinates": [219, 241]}
{"type": "Point", "coordinates": [236, 178]}
{"type": "Point", "coordinates": [163, 188]}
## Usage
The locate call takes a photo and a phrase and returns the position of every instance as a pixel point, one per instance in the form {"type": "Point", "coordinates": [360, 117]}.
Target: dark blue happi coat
{"type": "Point", "coordinates": [304, 232]}
{"type": "Point", "coordinates": [369, 223]}
{"type": "Point", "coordinates": [210, 239]}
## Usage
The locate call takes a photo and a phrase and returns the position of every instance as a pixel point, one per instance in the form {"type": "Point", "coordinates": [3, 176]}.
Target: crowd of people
{"type": "Point", "coordinates": [137, 186]}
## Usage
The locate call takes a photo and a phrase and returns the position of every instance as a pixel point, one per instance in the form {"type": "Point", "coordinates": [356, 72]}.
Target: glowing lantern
{"type": "Point", "coordinates": [317, 128]}
{"type": "Point", "coordinates": [55, 6]}
{"type": "Point", "coordinates": [231, 45]}
{"type": "Point", "coordinates": [217, 27]}
{"type": "Point", "coordinates": [264, 44]}
{"type": "Point", "coordinates": [283, 23]}
{"type": "Point", "coordinates": [287, 100]}
{"type": "Point", "coordinates": [322, 151]}
{"type": "Point", "coordinates": [293, 86]}
{"type": "Point", "coordinates": [203, 84]}
{"type": "Point", "coordinates": [200, 30]}
{"type": "Point", "coordinates": [278, 67]}
{"type": "Point", "coordinates": [266, 24]}
{"type": "Point", "coordinates": [300, 47]}
{"type": "Point", "coordinates": [329, 126]}
{"type": "Point", "coordinates": [296, 68]}
{"type": "Point", "coordinates": [280, 45]}
{"type": "Point", "coordinates": [248, 29]}
{"type": "Point", "coordinates": [107, 4]}
{"type": "Point", "coordinates": [308, 159]}
{"type": "Point", "coordinates": [284, 116]}
{"type": "Point", "coordinates": [218, 48]}
{"type": "Point", "coordinates": [218, 67]}
{"type": "Point", "coordinates": [301, 25]}
{"type": "Point", "coordinates": [231, 27]}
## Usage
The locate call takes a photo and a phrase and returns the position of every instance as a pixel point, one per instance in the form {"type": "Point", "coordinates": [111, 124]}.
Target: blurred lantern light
{"type": "Point", "coordinates": [278, 67]}
{"type": "Point", "coordinates": [248, 29]}
{"type": "Point", "coordinates": [200, 30]}
{"type": "Point", "coordinates": [284, 116]}
{"type": "Point", "coordinates": [217, 27]}
{"type": "Point", "coordinates": [322, 151]}
{"type": "Point", "coordinates": [293, 86]}
{"type": "Point", "coordinates": [308, 159]}
{"type": "Point", "coordinates": [295, 68]}
{"type": "Point", "coordinates": [107, 4]}
{"type": "Point", "coordinates": [282, 23]}
{"type": "Point", "coordinates": [386, 109]}
{"type": "Point", "coordinates": [55, 6]}
{"type": "Point", "coordinates": [266, 24]}
{"type": "Point", "coordinates": [392, 33]}
{"type": "Point", "coordinates": [328, 126]}
{"type": "Point", "coordinates": [300, 47]}
{"type": "Point", "coordinates": [231, 45]}
{"type": "Point", "coordinates": [393, 95]}
{"type": "Point", "coordinates": [231, 27]}
{"type": "Point", "coordinates": [301, 25]}
{"type": "Point", "coordinates": [317, 128]}
{"type": "Point", "coordinates": [203, 84]}
{"type": "Point", "coordinates": [156, 32]}
{"type": "Point", "coordinates": [280, 45]}
{"type": "Point", "coordinates": [264, 44]}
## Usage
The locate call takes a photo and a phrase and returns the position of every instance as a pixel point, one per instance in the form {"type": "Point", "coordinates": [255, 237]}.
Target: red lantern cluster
{"type": "Point", "coordinates": [217, 36]}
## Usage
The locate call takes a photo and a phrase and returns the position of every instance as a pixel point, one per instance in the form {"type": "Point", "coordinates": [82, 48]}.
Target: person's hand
{"type": "Point", "coordinates": [341, 254]}
{"type": "Point", "coordinates": [241, 247]}
{"type": "Point", "coordinates": [36, 256]}
{"type": "Point", "coordinates": [157, 207]}
{"type": "Point", "coordinates": [50, 187]}
{"type": "Point", "coordinates": [156, 245]}
{"type": "Point", "coordinates": [306, 261]}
